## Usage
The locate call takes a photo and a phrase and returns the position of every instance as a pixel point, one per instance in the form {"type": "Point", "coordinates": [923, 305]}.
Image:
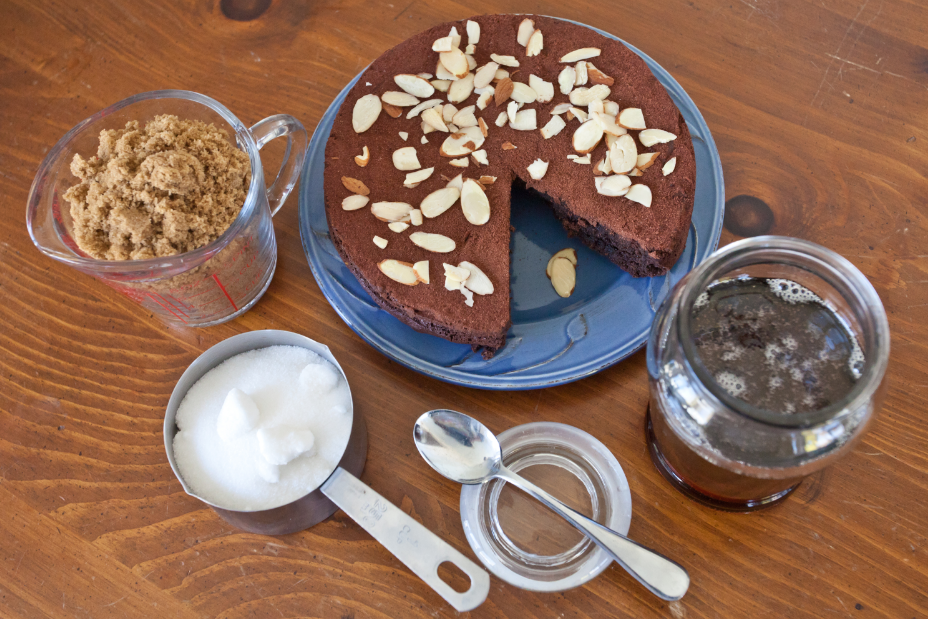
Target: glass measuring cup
{"type": "Point", "coordinates": [199, 288]}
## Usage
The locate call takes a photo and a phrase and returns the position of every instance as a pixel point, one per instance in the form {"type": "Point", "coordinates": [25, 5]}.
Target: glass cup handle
{"type": "Point", "coordinates": [277, 126]}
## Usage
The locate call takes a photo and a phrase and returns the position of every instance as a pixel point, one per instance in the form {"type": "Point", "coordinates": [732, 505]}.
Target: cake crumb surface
{"type": "Point", "coordinates": [165, 189]}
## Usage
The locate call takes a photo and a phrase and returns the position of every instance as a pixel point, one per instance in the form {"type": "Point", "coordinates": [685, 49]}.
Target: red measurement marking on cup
{"type": "Point", "coordinates": [167, 306]}
{"type": "Point", "coordinates": [223, 288]}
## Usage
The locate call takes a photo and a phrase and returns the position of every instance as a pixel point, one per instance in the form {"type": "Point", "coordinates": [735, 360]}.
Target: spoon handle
{"type": "Point", "coordinates": [663, 577]}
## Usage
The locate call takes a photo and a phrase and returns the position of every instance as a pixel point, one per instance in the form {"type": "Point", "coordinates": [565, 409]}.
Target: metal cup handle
{"type": "Point", "coordinates": [277, 126]}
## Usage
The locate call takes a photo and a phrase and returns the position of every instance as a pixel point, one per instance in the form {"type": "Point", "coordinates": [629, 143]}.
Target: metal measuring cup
{"type": "Point", "coordinates": [418, 548]}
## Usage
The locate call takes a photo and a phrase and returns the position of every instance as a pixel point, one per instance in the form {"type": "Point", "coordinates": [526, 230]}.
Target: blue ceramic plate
{"type": "Point", "coordinates": [552, 340]}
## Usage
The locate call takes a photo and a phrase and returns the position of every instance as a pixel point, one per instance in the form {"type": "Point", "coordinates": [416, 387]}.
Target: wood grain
{"type": "Point", "coordinates": [818, 110]}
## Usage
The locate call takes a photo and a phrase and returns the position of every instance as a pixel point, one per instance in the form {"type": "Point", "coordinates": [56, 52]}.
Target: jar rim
{"type": "Point", "coordinates": [833, 268]}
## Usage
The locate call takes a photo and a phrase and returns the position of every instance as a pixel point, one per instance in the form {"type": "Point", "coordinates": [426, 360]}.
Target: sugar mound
{"type": "Point", "coordinates": [236, 475]}
{"type": "Point", "coordinates": [239, 414]}
{"type": "Point", "coordinates": [281, 445]}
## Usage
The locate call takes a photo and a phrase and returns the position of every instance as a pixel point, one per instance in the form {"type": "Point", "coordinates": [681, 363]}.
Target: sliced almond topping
{"type": "Point", "coordinates": [414, 178]}
{"type": "Point", "coordinates": [444, 74]}
{"type": "Point", "coordinates": [355, 186]}
{"type": "Point", "coordinates": [640, 194]}
{"type": "Point", "coordinates": [404, 135]}
{"type": "Point", "coordinates": [439, 201]}
{"type": "Point", "coordinates": [535, 44]}
{"type": "Point", "coordinates": [506, 61]}
{"type": "Point", "coordinates": [646, 160]}
{"type": "Point", "coordinates": [380, 242]}
{"type": "Point", "coordinates": [425, 76]}
{"type": "Point", "coordinates": [598, 77]}
{"type": "Point", "coordinates": [611, 108]}
{"type": "Point", "coordinates": [471, 49]}
{"type": "Point", "coordinates": [580, 54]}
{"type": "Point", "coordinates": [484, 100]}
{"type": "Point", "coordinates": [432, 117]}
{"type": "Point", "coordinates": [477, 282]}
{"type": "Point", "coordinates": [444, 44]}
{"type": "Point", "coordinates": [526, 28]}
{"type": "Point", "coordinates": [560, 108]}
{"type": "Point", "coordinates": [631, 118]}
{"type": "Point", "coordinates": [453, 128]}
{"type": "Point", "coordinates": [421, 269]}
{"type": "Point", "coordinates": [364, 158]}
{"type": "Point", "coordinates": [455, 275]}
{"type": "Point", "coordinates": [585, 160]}
{"type": "Point", "coordinates": [624, 154]}
{"type": "Point", "coordinates": [483, 127]}
{"type": "Point", "coordinates": [615, 185]}
{"type": "Point", "coordinates": [604, 166]}
{"type": "Point", "coordinates": [398, 226]}
{"type": "Point", "coordinates": [448, 112]}
{"type": "Point", "coordinates": [610, 140]}
{"type": "Point", "coordinates": [512, 109]}
{"type": "Point", "coordinates": [465, 117]}
{"type": "Point", "coordinates": [415, 217]}
{"type": "Point", "coordinates": [406, 159]}
{"type": "Point", "coordinates": [595, 106]}
{"type": "Point", "coordinates": [355, 202]}
{"type": "Point", "coordinates": [422, 107]}
{"type": "Point", "coordinates": [393, 110]}
{"type": "Point", "coordinates": [608, 123]}
{"type": "Point", "coordinates": [471, 62]}
{"type": "Point", "coordinates": [441, 85]}
{"type": "Point", "coordinates": [567, 254]}
{"type": "Point", "coordinates": [474, 203]}
{"type": "Point", "coordinates": [554, 126]}
{"type": "Point", "coordinates": [391, 211]}
{"type": "Point", "coordinates": [399, 99]}
{"type": "Point", "coordinates": [587, 137]}
{"type": "Point", "coordinates": [523, 93]}
{"type": "Point", "coordinates": [463, 162]}
{"type": "Point", "coordinates": [455, 61]}
{"type": "Point", "coordinates": [424, 140]}
{"type": "Point", "coordinates": [544, 90]}
{"type": "Point", "coordinates": [462, 143]}
{"type": "Point", "coordinates": [480, 156]}
{"type": "Point", "coordinates": [438, 243]}
{"type": "Point", "coordinates": [487, 180]}
{"type": "Point", "coordinates": [485, 75]}
{"type": "Point", "coordinates": [537, 169]}
{"type": "Point", "coordinates": [473, 32]}
{"type": "Point", "coordinates": [634, 172]}
{"type": "Point", "coordinates": [525, 120]}
{"type": "Point", "coordinates": [669, 166]}
{"type": "Point", "coordinates": [426, 128]}
{"type": "Point", "coordinates": [502, 119]}
{"type": "Point", "coordinates": [583, 96]}
{"type": "Point", "coordinates": [414, 85]}
{"type": "Point", "coordinates": [455, 37]}
{"type": "Point", "coordinates": [365, 112]}
{"type": "Point", "coordinates": [563, 277]}
{"type": "Point", "coordinates": [581, 73]}
{"type": "Point", "coordinates": [650, 137]}
{"type": "Point", "coordinates": [461, 89]}
{"type": "Point", "coordinates": [501, 74]}
{"type": "Point", "coordinates": [401, 272]}
{"type": "Point", "coordinates": [565, 80]}
{"type": "Point", "coordinates": [508, 146]}
{"type": "Point", "coordinates": [503, 90]}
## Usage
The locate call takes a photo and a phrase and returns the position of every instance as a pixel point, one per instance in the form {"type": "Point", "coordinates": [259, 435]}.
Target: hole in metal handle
{"type": "Point", "coordinates": [454, 577]}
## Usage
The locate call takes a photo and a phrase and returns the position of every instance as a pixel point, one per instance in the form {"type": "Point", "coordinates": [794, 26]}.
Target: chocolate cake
{"type": "Point", "coordinates": [619, 171]}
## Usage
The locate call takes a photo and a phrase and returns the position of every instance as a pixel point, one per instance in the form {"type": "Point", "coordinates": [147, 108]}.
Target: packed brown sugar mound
{"type": "Point", "coordinates": [169, 188]}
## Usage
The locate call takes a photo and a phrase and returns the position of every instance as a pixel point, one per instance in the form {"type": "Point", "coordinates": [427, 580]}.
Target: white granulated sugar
{"type": "Point", "coordinates": [238, 416]}
{"type": "Point", "coordinates": [295, 394]}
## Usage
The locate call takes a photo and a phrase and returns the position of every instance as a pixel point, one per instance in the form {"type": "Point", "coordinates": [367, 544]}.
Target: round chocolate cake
{"type": "Point", "coordinates": [425, 149]}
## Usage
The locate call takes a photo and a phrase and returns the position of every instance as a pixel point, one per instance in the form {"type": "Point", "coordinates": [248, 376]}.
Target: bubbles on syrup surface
{"type": "Point", "coordinates": [791, 292]}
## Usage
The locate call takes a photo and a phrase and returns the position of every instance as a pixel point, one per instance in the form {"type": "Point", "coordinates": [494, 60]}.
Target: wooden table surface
{"type": "Point", "coordinates": [818, 108]}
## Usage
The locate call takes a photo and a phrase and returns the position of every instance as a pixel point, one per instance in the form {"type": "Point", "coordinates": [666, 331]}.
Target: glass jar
{"type": "Point", "coordinates": [717, 448]}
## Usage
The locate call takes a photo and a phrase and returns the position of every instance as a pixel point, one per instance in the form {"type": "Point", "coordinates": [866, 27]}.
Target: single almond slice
{"type": "Point", "coordinates": [355, 202]}
{"type": "Point", "coordinates": [422, 107]}
{"type": "Point", "coordinates": [444, 74]}
{"type": "Point", "coordinates": [425, 76]}
{"type": "Point", "coordinates": [462, 143]}
{"type": "Point", "coordinates": [415, 217]}
{"type": "Point", "coordinates": [526, 28]}
{"type": "Point", "coordinates": [607, 123]}
{"type": "Point", "coordinates": [455, 274]}
{"type": "Point", "coordinates": [585, 160]}
{"type": "Point", "coordinates": [468, 296]}
{"type": "Point", "coordinates": [595, 106]}
{"type": "Point", "coordinates": [669, 166]}
{"type": "Point", "coordinates": [444, 44]}
{"type": "Point", "coordinates": [414, 85]}
{"type": "Point", "coordinates": [581, 54]}
{"type": "Point", "coordinates": [650, 137]}
{"type": "Point", "coordinates": [399, 99]}
{"type": "Point", "coordinates": [355, 186]}
{"type": "Point", "coordinates": [610, 140]}
{"type": "Point", "coordinates": [487, 180]}
{"type": "Point", "coordinates": [563, 277]}
{"type": "Point", "coordinates": [587, 137]}
{"type": "Point", "coordinates": [624, 154]}
{"type": "Point", "coordinates": [471, 62]}
{"type": "Point", "coordinates": [465, 117]}
{"type": "Point", "coordinates": [554, 126]}
{"type": "Point", "coordinates": [568, 254]}
{"type": "Point", "coordinates": [401, 272]}
{"type": "Point", "coordinates": [535, 44]}
{"type": "Point", "coordinates": [537, 169]}
{"type": "Point", "coordinates": [544, 90]}
{"type": "Point", "coordinates": [463, 162]}
{"type": "Point", "coordinates": [455, 61]}
{"type": "Point", "coordinates": [453, 128]}
{"type": "Point", "coordinates": [611, 108]}
{"type": "Point", "coordinates": [631, 118]}
{"type": "Point", "coordinates": [438, 243]}
{"type": "Point", "coordinates": [432, 117]}
{"type": "Point", "coordinates": [503, 90]}
{"type": "Point", "coordinates": [523, 93]}
{"type": "Point", "coordinates": [502, 119]}
{"type": "Point", "coordinates": [457, 182]}
{"type": "Point", "coordinates": [484, 100]}
{"type": "Point", "coordinates": [404, 135]}
{"type": "Point", "coordinates": [441, 85]}
{"type": "Point", "coordinates": [365, 112]}
{"type": "Point", "coordinates": [380, 242]}
{"type": "Point", "coordinates": [422, 271]}
{"type": "Point", "coordinates": [471, 49]}
{"type": "Point", "coordinates": [439, 201]}
{"type": "Point", "coordinates": [364, 158]}
{"type": "Point", "coordinates": [426, 128]}
{"type": "Point", "coordinates": [560, 108]}
{"type": "Point", "coordinates": [640, 194]}
{"type": "Point", "coordinates": [581, 73]}
{"type": "Point", "coordinates": [485, 75]}
{"type": "Point", "coordinates": [506, 61]}
{"type": "Point", "coordinates": [512, 109]}
{"type": "Point", "coordinates": [391, 211]}
{"type": "Point", "coordinates": [461, 88]}
{"type": "Point", "coordinates": [604, 166]}
{"type": "Point", "coordinates": [508, 146]}
{"type": "Point", "coordinates": [424, 140]}
{"type": "Point", "coordinates": [406, 159]}
{"type": "Point", "coordinates": [414, 178]}
{"type": "Point", "coordinates": [501, 74]}
{"type": "Point", "coordinates": [455, 37]}
{"type": "Point", "coordinates": [483, 127]}
{"type": "Point", "coordinates": [634, 172]}
{"type": "Point", "coordinates": [448, 111]}
{"type": "Point", "coordinates": [525, 120]}
{"type": "Point", "coordinates": [474, 203]}
{"type": "Point", "coordinates": [473, 32]}
{"type": "Point", "coordinates": [398, 226]}
{"type": "Point", "coordinates": [598, 77]}
{"type": "Point", "coordinates": [646, 160]}
{"type": "Point", "coordinates": [480, 156]}
{"type": "Point", "coordinates": [615, 185]}
{"type": "Point", "coordinates": [477, 282]}
{"type": "Point", "coordinates": [565, 80]}
{"type": "Point", "coordinates": [393, 110]}
{"type": "Point", "coordinates": [583, 96]}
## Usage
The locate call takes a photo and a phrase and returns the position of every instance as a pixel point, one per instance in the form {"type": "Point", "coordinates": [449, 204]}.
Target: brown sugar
{"type": "Point", "coordinates": [167, 189]}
